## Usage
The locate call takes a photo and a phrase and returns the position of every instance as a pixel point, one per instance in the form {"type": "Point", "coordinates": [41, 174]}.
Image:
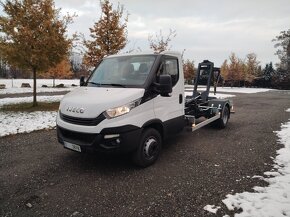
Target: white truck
{"type": "Point", "coordinates": [132, 102]}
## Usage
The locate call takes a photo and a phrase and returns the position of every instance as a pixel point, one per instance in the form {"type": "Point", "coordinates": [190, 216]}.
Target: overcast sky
{"type": "Point", "coordinates": [207, 29]}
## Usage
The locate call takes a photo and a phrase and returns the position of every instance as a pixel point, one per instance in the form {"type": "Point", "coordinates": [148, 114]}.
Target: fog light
{"type": "Point", "coordinates": [111, 136]}
{"type": "Point", "coordinates": [118, 141]}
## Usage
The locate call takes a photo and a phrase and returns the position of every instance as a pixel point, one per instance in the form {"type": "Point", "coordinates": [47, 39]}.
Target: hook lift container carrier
{"type": "Point", "coordinates": [133, 102]}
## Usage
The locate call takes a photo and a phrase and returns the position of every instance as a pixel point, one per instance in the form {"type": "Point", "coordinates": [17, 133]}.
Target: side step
{"type": "Point", "coordinates": [195, 127]}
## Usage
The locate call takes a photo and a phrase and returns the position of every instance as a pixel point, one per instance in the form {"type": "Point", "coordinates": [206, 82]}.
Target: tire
{"type": "Point", "coordinates": [149, 148]}
{"type": "Point", "coordinates": [224, 119]}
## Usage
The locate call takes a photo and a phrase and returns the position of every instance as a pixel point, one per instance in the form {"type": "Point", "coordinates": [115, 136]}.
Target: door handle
{"type": "Point", "coordinates": [180, 98]}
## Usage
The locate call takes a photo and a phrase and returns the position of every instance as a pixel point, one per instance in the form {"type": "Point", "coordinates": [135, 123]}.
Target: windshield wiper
{"type": "Point", "coordinates": [115, 85]}
{"type": "Point", "coordinates": [91, 82]}
{"type": "Point", "coordinates": [100, 84]}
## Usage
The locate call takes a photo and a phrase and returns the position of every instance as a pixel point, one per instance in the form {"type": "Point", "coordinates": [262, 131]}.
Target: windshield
{"type": "Point", "coordinates": [122, 71]}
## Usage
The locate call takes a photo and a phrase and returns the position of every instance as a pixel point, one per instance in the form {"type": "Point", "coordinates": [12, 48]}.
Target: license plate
{"type": "Point", "coordinates": [72, 146]}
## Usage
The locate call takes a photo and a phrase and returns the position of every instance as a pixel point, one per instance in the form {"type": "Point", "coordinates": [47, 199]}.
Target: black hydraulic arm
{"type": "Point", "coordinates": [205, 70]}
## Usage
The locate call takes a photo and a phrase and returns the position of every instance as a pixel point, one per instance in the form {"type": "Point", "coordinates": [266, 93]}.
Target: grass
{"type": "Point", "coordinates": [27, 107]}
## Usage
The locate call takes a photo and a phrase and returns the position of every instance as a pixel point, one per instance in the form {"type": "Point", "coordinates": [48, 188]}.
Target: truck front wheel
{"type": "Point", "coordinates": [149, 148]}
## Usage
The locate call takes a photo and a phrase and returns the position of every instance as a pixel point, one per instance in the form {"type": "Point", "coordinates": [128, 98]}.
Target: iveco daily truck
{"type": "Point", "coordinates": [132, 102]}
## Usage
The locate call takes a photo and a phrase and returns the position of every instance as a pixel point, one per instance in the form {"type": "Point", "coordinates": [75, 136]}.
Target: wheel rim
{"type": "Point", "coordinates": [226, 116]}
{"type": "Point", "coordinates": [150, 148]}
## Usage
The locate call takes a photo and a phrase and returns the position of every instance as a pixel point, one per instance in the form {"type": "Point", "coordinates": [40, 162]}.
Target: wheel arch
{"type": "Point", "coordinates": [155, 124]}
{"type": "Point", "coordinates": [220, 104]}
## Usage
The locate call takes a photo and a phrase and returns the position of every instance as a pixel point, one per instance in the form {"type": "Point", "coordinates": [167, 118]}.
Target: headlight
{"type": "Point", "coordinates": [118, 111]}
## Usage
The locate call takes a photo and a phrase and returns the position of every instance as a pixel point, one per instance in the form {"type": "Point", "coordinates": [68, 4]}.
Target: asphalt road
{"type": "Point", "coordinates": [195, 169]}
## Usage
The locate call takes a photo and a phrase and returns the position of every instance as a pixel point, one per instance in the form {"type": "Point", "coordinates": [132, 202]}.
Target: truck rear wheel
{"type": "Point", "coordinates": [149, 148]}
{"type": "Point", "coordinates": [223, 120]}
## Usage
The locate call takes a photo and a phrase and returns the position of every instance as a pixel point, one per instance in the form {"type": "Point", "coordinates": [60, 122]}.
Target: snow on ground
{"type": "Point", "coordinates": [39, 82]}
{"type": "Point", "coordinates": [11, 101]}
{"type": "Point", "coordinates": [211, 208]}
{"type": "Point", "coordinates": [24, 122]}
{"type": "Point", "coordinates": [218, 95]}
{"type": "Point", "coordinates": [230, 89]}
{"type": "Point", "coordinates": [273, 200]}
{"type": "Point", "coordinates": [241, 90]}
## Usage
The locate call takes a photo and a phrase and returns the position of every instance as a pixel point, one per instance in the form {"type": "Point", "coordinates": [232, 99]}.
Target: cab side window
{"type": "Point", "coordinates": [170, 67]}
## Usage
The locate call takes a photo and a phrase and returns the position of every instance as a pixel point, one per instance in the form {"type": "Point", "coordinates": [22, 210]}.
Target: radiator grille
{"type": "Point", "coordinates": [82, 121]}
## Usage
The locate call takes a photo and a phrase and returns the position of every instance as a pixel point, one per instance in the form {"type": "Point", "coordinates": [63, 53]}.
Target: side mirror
{"type": "Point", "coordinates": [164, 87]}
{"type": "Point", "coordinates": [82, 81]}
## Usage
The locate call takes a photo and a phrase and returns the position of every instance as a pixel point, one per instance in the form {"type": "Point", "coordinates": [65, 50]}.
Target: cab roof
{"type": "Point", "coordinates": [170, 53]}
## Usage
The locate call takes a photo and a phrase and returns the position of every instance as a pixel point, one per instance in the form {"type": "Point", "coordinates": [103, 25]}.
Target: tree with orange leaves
{"type": "Point", "coordinates": [33, 35]}
{"type": "Point", "coordinates": [61, 71]}
{"type": "Point", "coordinates": [109, 34]}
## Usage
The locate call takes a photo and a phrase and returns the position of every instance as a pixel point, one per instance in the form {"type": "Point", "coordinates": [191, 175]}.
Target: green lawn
{"type": "Point", "coordinates": [27, 107]}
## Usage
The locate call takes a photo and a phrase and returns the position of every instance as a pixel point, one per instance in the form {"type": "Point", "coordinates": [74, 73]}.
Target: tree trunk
{"type": "Point", "coordinates": [34, 88]}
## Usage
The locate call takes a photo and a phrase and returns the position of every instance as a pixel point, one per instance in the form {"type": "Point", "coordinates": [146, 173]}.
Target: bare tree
{"type": "Point", "coordinates": [160, 42]}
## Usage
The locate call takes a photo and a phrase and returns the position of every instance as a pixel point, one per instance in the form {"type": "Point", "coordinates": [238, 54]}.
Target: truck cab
{"type": "Point", "coordinates": [128, 100]}
{"type": "Point", "coordinates": [131, 103]}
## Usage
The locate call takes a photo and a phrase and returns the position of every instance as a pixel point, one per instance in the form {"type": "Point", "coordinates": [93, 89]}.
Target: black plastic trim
{"type": "Point", "coordinates": [169, 127]}
{"type": "Point", "coordinates": [148, 95]}
{"type": "Point", "coordinates": [96, 142]}
{"type": "Point", "coordinates": [152, 121]}
{"type": "Point", "coordinates": [180, 98]}
{"type": "Point", "coordinates": [121, 129]}
{"type": "Point", "coordinates": [82, 121]}
{"type": "Point", "coordinates": [174, 126]}
{"type": "Point", "coordinates": [79, 138]}
{"type": "Point", "coordinates": [168, 57]}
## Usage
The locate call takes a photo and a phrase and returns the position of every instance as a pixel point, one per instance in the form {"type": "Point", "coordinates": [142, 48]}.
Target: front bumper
{"type": "Point", "coordinates": [118, 139]}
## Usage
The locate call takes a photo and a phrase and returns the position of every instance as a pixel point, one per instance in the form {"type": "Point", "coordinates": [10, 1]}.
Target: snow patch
{"type": "Point", "coordinates": [258, 177]}
{"type": "Point", "coordinates": [218, 95]}
{"type": "Point", "coordinates": [242, 90]}
{"type": "Point", "coordinates": [230, 89]}
{"type": "Point", "coordinates": [273, 200]}
{"type": "Point", "coordinates": [211, 208]}
{"type": "Point", "coordinates": [24, 122]}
